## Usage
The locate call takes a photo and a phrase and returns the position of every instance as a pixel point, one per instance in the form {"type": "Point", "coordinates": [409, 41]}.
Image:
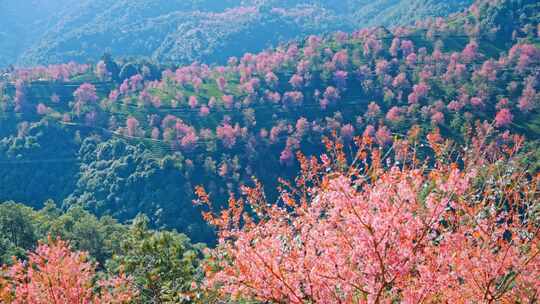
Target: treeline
{"type": "Point", "coordinates": [161, 264]}
{"type": "Point", "coordinates": [186, 31]}
{"type": "Point", "coordinates": [415, 230]}
{"type": "Point", "coordinates": [160, 131]}
{"type": "Point", "coordinates": [387, 210]}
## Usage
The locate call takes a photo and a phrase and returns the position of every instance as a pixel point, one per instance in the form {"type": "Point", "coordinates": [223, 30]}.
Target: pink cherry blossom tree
{"type": "Point", "coordinates": [132, 126]}
{"type": "Point", "coordinates": [503, 118]}
{"type": "Point", "coordinates": [227, 134]}
{"type": "Point", "coordinates": [55, 274]}
{"type": "Point", "coordinates": [377, 233]}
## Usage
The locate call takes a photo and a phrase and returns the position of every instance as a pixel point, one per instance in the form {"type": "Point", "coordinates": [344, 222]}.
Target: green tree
{"type": "Point", "coordinates": [128, 70]}
{"type": "Point", "coordinates": [163, 264]}
{"type": "Point", "coordinates": [111, 65]}
{"type": "Point", "coordinates": [85, 232]}
{"type": "Point", "coordinates": [21, 228]}
{"type": "Point", "coordinates": [17, 231]}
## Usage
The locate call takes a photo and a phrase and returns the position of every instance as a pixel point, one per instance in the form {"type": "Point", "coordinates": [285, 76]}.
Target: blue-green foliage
{"type": "Point", "coordinates": [182, 31]}
{"type": "Point", "coordinates": [123, 180]}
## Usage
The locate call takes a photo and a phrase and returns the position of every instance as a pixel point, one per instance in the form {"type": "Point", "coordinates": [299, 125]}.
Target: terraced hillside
{"type": "Point", "coordinates": [134, 137]}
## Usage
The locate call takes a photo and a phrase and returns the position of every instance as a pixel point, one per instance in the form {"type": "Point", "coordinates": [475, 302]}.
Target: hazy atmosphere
{"type": "Point", "coordinates": [269, 151]}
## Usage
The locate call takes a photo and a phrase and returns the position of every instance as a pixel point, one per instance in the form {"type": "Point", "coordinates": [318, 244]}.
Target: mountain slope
{"type": "Point", "coordinates": [184, 31]}
{"type": "Point", "coordinates": [141, 142]}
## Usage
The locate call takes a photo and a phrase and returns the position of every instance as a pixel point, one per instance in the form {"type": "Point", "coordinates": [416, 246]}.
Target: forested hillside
{"type": "Point", "coordinates": [132, 137]}
{"type": "Point", "coordinates": [372, 166]}
{"type": "Point", "coordinates": [184, 31]}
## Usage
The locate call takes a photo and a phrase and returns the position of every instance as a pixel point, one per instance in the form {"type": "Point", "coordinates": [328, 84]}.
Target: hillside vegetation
{"type": "Point", "coordinates": [372, 166]}
{"type": "Point", "coordinates": [184, 31]}
{"type": "Point", "coordinates": [130, 137]}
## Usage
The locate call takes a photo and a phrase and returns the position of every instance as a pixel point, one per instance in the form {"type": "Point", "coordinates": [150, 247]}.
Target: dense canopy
{"type": "Point", "coordinates": [371, 165]}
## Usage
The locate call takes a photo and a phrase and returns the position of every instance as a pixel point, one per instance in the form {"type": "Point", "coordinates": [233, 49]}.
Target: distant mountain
{"type": "Point", "coordinates": [23, 22]}
{"type": "Point", "coordinates": [37, 32]}
{"type": "Point", "coordinates": [129, 136]}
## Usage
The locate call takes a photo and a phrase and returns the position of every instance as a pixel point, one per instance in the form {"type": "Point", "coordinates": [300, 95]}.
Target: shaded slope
{"type": "Point", "coordinates": [183, 31]}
